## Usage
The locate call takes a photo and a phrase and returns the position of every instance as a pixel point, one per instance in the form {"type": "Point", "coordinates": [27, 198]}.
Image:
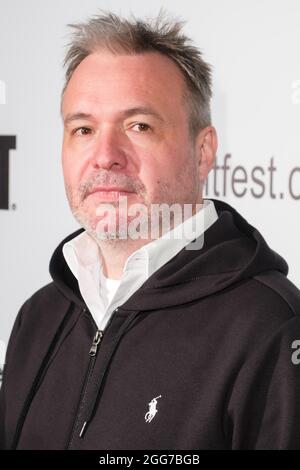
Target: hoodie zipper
{"type": "Point", "coordinates": [93, 354]}
{"type": "Point", "coordinates": [95, 343]}
{"type": "Point", "coordinates": [85, 409]}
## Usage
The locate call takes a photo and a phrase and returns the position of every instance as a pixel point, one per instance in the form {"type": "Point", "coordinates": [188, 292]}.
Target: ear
{"type": "Point", "coordinates": [206, 147]}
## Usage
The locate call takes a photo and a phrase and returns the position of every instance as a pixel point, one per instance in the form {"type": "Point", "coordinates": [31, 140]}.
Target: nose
{"type": "Point", "coordinates": [108, 151]}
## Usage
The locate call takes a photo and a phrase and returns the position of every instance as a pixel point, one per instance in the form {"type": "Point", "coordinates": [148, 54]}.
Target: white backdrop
{"type": "Point", "coordinates": [253, 46]}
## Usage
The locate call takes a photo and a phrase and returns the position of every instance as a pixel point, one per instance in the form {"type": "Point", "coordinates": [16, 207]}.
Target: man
{"type": "Point", "coordinates": [144, 342]}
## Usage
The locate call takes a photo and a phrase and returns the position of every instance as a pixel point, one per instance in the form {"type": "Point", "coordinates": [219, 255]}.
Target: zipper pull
{"type": "Point", "coordinates": [95, 343]}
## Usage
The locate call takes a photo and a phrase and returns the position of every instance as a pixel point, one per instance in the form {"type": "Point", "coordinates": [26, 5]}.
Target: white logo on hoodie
{"type": "Point", "coordinates": [152, 409]}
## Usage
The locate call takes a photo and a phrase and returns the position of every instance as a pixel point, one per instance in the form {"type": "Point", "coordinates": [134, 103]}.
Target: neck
{"type": "Point", "coordinates": [114, 254]}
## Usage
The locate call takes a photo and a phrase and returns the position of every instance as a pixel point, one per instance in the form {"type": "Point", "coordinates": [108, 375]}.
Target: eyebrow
{"type": "Point", "coordinates": [76, 116]}
{"type": "Point", "coordinates": [148, 111]}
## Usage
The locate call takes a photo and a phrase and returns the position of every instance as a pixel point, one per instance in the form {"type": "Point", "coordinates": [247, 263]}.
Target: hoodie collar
{"type": "Point", "coordinates": [232, 250]}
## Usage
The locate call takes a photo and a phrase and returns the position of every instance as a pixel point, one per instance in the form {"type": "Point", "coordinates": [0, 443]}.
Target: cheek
{"type": "Point", "coordinates": [155, 179]}
{"type": "Point", "coordinates": [67, 169]}
{"type": "Point", "coordinates": [164, 167]}
{"type": "Point", "coordinates": [71, 169]}
{"type": "Point", "coordinates": [65, 164]}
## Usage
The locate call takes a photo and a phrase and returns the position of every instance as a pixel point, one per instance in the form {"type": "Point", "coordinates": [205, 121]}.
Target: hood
{"type": "Point", "coordinates": [232, 251]}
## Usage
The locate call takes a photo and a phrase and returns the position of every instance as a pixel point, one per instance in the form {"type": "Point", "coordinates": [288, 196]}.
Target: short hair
{"type": "Point", "coordinates": [109, 31]}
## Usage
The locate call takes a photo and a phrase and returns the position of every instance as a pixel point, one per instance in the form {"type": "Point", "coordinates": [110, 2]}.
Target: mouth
{"type": "Point", "coordinates": [109, 193]}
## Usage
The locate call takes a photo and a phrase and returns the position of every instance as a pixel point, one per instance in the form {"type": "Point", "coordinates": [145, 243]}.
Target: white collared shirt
{"type": "Point", "coordinates": [102, 295]}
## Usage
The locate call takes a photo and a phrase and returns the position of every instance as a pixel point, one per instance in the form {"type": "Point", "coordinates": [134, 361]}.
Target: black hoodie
{"type": "Point", "coordinates": [202, 356]}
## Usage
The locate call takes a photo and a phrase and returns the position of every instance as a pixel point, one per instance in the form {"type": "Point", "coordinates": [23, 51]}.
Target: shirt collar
{"type": "Point", "coordinates": [157, 252]}
{"type": "Point", "coordinates": [81, 251]}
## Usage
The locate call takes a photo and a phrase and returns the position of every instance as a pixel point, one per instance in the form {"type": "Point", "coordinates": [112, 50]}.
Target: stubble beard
{"type": "Point", "coordinates": [184, 191]}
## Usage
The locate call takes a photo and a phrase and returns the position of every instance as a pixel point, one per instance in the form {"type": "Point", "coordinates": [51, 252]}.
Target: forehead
{"type": "Point", "coordinates": [110, 81]}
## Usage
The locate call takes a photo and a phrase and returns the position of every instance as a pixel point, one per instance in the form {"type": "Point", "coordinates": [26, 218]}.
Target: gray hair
{"type": "Point", "coordinates": [110, 32]}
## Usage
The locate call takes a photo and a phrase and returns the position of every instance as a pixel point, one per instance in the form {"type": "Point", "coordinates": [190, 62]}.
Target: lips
{"type": "Point", "coordinates": [111, 193]}
{"type": "Point", "coordinates": [108, 189]}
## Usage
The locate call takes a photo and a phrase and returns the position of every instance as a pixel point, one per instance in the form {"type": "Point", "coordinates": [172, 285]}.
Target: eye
{"type": "Point", "coordinates": [82, 131]}
{"type": "Point", "coordinates": [141, 127]}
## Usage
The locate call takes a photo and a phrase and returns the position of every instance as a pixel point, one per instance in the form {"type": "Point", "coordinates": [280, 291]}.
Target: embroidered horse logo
{"type": "Point", "coordinates": [152, 409]}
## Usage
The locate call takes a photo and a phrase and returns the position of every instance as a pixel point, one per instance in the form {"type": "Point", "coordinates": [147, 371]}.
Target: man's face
{"type": "Point", "coordinates": [126, 127]}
